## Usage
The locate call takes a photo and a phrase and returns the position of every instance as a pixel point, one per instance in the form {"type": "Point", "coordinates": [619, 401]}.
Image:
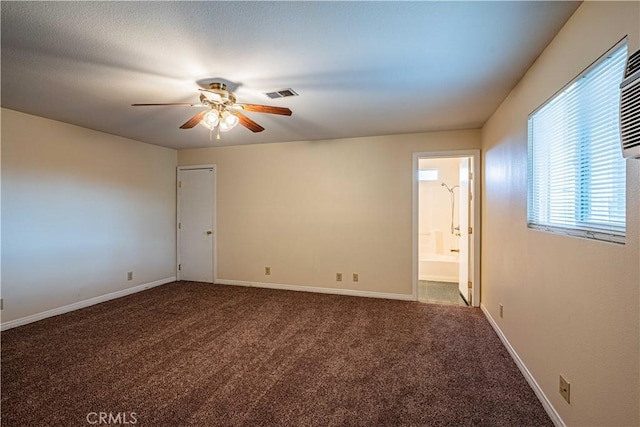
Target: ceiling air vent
{"type": "Point", "coordinates": [282, 93]}
{"type": "Point", "coordinates": [630, 108]}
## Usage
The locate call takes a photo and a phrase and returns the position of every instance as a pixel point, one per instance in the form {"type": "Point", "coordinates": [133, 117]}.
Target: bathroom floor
{"type": "Point", "coordinates": [439, 293]}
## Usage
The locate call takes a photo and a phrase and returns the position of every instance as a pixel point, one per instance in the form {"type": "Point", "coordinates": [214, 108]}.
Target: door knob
{"type": "Point", "coordinates": [209, 232]}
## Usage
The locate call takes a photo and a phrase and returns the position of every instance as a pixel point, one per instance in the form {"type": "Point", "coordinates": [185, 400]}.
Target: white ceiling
{"type": "Point", "coordinates": [360, 68]}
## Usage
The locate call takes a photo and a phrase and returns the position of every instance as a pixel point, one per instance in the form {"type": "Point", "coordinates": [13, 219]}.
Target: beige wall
{"type": "Point", "coordinates": [79, 210]}
{"type": "Point", "coordinates": [312, 209]}
{"type": "Point", "coordinates": [571, 306]}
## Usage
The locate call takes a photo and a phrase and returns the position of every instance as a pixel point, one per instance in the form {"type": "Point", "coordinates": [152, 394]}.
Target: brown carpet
{"type": "Point", "coordinates": [191, 354]}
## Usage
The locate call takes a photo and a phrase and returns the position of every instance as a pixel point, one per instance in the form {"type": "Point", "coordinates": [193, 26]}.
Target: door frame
{"type": "Point", "coordinates": [476, 206]}
{"type": "Point", "coordinates": [215, 209]}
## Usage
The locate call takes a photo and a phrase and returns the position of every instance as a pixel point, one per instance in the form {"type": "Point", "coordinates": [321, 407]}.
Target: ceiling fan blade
{"type": "Point", "coordinates": [264, 109]}
{"type": "Point", "coordinates": [216, 95]}
{"type": "Point", "coordinates": [194, 120]}
{"type": "Point", "coordinates": [247, 122]}
{"type": "Point", "coordinates": [184, 104]}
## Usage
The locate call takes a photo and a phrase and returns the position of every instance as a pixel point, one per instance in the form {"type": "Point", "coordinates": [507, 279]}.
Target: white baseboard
{"type": "Point", "coordinates": [82, 304]}
{"type": "Point", "coordinates": [334, 291]}
{"type": "Point", "coordinates": [551, 411]}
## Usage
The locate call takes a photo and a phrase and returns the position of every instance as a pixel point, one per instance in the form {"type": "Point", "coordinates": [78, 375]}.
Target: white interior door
{"type": "Point", "coordinates": [195, 224]}
{"type": "Point", "coordinates": [464, 223]}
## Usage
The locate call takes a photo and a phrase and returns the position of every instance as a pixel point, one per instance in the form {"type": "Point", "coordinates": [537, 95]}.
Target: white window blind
{"type": "Point", "coordinates": [576, 172]}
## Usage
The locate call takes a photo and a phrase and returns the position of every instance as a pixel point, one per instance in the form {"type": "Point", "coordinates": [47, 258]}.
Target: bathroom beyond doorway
{"type": "Point", "coordinates": [446, 249]}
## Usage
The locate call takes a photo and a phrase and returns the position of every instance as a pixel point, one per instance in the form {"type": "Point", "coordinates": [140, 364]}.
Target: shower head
{"type": "Point", "coordinates": [450, 189]}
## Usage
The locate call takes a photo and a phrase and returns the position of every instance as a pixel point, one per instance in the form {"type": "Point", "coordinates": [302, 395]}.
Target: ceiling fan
{"type": "Point", "coordinates": [222, 112]}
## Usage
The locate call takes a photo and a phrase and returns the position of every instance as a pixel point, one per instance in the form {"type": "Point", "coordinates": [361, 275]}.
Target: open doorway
{"type": "Point", "coordinates": [446, 228]}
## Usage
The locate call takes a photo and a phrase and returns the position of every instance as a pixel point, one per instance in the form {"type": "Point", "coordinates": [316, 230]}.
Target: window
{"type": "Point", "coordinates": [576, 172]}
{"type": "Point", "coordinates": [428, 175]}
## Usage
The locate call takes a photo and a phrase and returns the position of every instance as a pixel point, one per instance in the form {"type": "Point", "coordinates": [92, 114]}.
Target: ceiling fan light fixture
{"type": "Point", "coordinates": [222, 113]}
{"type": "Point", "coordinates": [228, 121]}
{"type": "Point", "coordinates": [210, 120]}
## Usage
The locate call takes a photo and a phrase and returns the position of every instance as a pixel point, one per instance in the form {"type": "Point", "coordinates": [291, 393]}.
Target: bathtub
{"type": "Point", "coordinates": [438, 267]}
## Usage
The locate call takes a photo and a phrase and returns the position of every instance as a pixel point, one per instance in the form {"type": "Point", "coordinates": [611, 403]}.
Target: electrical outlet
{"type": "Point", "coordinates": [565, 389]}
{"type": "Point", "coordinates": [501, 311]}
{"type": "Point", "coordinates": [355, 277]}
{"type": "Point", "coordinates": [267, 271]}
{"type": "Point", "coordinates": [338, 277]}
{"type": "Point", "coordinates": [130, 275]}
